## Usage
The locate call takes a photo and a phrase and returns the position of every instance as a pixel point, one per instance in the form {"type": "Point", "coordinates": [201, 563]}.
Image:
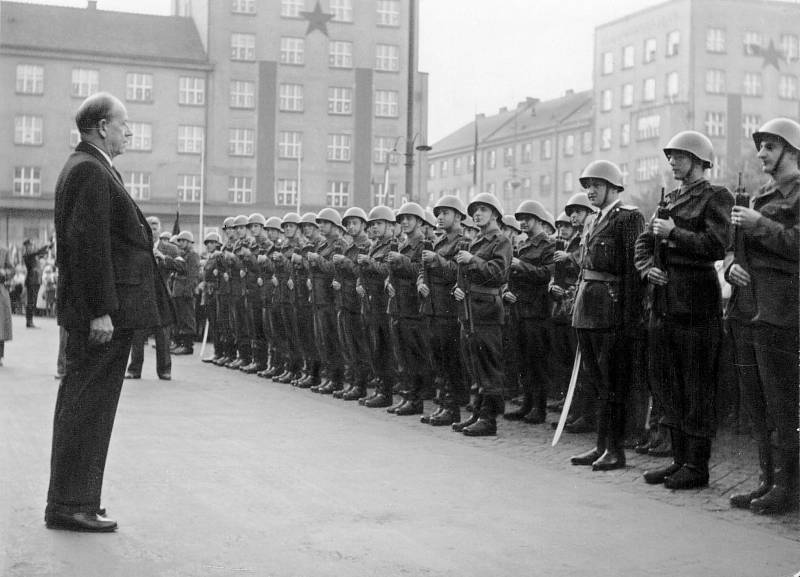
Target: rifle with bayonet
{"type": "Point", "coordinates": [425, 306]}
{"type": "Point", "coordinates": [659, 293]}
{"type": "Point", "coordinates": [743, 296]}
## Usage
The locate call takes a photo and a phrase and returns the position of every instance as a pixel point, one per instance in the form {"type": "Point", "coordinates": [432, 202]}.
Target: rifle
{"type": "Point", "coordinates": [391, 306]}
{"type": "Point", "coordinates": [426, 307]}
{"type": "Point", "coordinates": [744, 295]}
{"type": "Point", "coordinates": [463, 284]}
{"type": "Point", "coordinates": [365, 308]}
{"type": "Point", "coordinates": [659, 293]}
{"type": "Point", "coordinates": [560, 268]}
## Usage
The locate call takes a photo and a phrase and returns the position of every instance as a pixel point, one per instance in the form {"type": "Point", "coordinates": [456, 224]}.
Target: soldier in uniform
{"type": "Point", "coordinates": [271, 312]}
{"type": "Point", "coordinates": [210, 282]}
{"type": "Point", "coordinates": [374, 272]}
{"type": "Point", "coordinates": [405, 265]}
{"type": "Point", "coordinates": [482, 272]}
{"type": "Point", "coordinates": [253, 264]}
{"type": "Point", "coordinates": [309, 376]}
{"type": "Point", "coordinates": [510, 227]}
{"type": "Point", "coordinates": [225, 324]}
{"type": "Point", "coordinates": [236, 274]}
{"type": "Point", "coordinates": [607, 312]}
{"type": "Point", "coordinates": [531, 271]}
{"type": "Point", "coordinates": [186, 268]}
{"type": "Point", "coordinates": [321, 272]}
{"type": "Point", "coordinates": [352, 333]}
{"type": "Point", "coordinates": [435, 283]}
{"type": "Point", "coordinates": [764, 306]}
{"type": "Point", "coordinates": [685, 328]}
{"type": "Point", "coordinates": [287, 335]}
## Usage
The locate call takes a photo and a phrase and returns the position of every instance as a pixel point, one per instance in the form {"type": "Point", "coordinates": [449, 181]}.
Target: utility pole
{"type": "Point", "coordinates": [412, 58]}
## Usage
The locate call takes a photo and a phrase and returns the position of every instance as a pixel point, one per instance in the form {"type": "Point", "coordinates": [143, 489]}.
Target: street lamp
{"type": "Point", "coordinates": [409, 164]}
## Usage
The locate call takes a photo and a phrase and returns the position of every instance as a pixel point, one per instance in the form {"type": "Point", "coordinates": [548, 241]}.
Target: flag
{"type": "Point", "coordinates": [475, 155]}
{"type": "Point", "coordinates": [176, 228]}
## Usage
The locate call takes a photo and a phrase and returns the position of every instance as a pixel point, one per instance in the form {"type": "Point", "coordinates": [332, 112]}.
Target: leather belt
{"type": "Point", "coordinates": [598, 275]}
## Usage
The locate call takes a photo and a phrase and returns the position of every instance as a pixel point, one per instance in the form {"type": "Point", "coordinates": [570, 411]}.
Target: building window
{"type": "Point", "coordinates": [649, 50]}
{"type": "Point", "coordinates": [608, 63]}
{"type": "Point", "coordinates": [388, 12]}
{"type": "Point", "coordinates": [241, 142]}
{"type": "Point", "coordinates": [292, 50]}
{"type": "Point", "coordinates": [752, 84]}
{"type": "Point", "coordinates": [787, 87]}
{"type": "Point", "coordinates": [142, 138]}
{"type": "Point", "coordinates": [74, 137]}
{"type": "Point", "coordinates": [189, 188]}
{"type": "Point", "coordinates": [569, 145]}
{"type": "Point", "coordinates": [673, 42]}
{"type": "Point", "coordinates": [292, 8]}
{"type": "Point", "coordinates": [443, 169]}
{"type": "Point", "coordinates": [138, 185]}
{"type": "Point", "coordinates": [471, 163]}
{"type": "Point", "coordinates": [647, 168]}
{"type": "Point", "coordinates": [718, 168]}
{"type": "Point", "coordinates": [30, 79]}
{"type": "Point", "coordinates": [290, 97]}
{"type": "Point", "coordinates": [649, 90]}
{"type": "Point", "coordinates": [545, 184]}
{"type": "Point", "coordinates": [28, 130]}
{"type": "Point", "coordinates": [568, 182]}
{"type": "Point", "coordinates": [290, 144]}
{"type": "Point", "coordinates": [606, 100]}
{"type": "Point", "coordinates": [338, 195]}
{"type": "Point", "coordinates": [491, 159]}
{"type": "Point", "coordinates": [750, 123]}
{"type": "Point", "coordinates": [605, 138]}
{"type": "Point", "coordinates": [648, 127]}
{"type": "Point", "coordinates": [458, 165]}
{"type": "Point", "coordinates": [586, 142]}
{"type": "Point", "coordinates": [547, 149]}
{"type": "Point", "coordinates": [240, 189]}
{"type": "Point", "coordinates": [192, 90]}
{"type": "Point", "coordinates": [378, 196]}
{"type": "Point", "coordinates": [243, 47]}
{"type": "Point", "coordinates": [85, 82]}
{"type": "Point", "coordinates": [715, 123]}
{"type": "Point", "coordinates": [431, 171]}
{"type": "Point", "coordinates": [526, 185]}
{"type": "Point", "coordinates": [27, 181]}
{"type": "Point", "coordinates": [508, 156]}
{"type": "Point", "coordinates": [527, 152]}
{"type": "Point", "coordinates": [190, 139]}
{"type": "Point", "coordinates": [339, 147]}
{"type": "Point", "coordinates": [625, 134]}
{"type": "Point", "coordinates": [715, 40]}
{"type": "Point", "coordinates": [508, 191]}
{"type": "Point", "coordinates": [627, 57]}
{"type": "Point", "coordinates": [627, 95]}
{"type": "Point", "coordinates": [715, 81]}
{"type": "Point", "coordinates": [139, 87]}
{"type": "Point", "coordinates": [340, 54]}
{"type": "Point", "coordinates": [243, 94]}
{"type": "Point", "coordinates": [342, 10]}
{"type": "Point", "coordinates": [387, 57]}
{"type": "Point", "coordinates": [340, 100]}
{"type": "Point", "coordinates": [673, 85]}
{"type": "Point", "coordinates": [243, 6]}
{"type": "Point", "coordinates": [623, 168]}
{"type": "Point", "coordinates": [752, 43]}
{"type": "Point", "coordinates": [386, 103]}
{"type": "Point", "coordinates": [790, 47]}
{"type": "Point", "coordinates": [384, 147]}
{"type": "Point", "coordinates": [286, 192]}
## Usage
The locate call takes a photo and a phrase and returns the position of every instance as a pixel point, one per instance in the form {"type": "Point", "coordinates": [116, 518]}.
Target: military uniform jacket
{"type": "Point", "coordinates": [284, 270]}
{"type": "Point", "coordinates": [234, 270]}
{"type": "Point", "coordinates": [374, 274]}
{"type": "Point", "coordinates": [211, 282]}
{"type": "Point", "coordinates": [301, 274]}
{"type": "Point", "coordinates": [701, 213]}
{"type": "Point", "coordinates": [223, 263]}
{"type": "Point", "coordinates": [567, 279]}
{"type": "Point", "coordinates": [348, 272]}
{"type": "Point", "coordinates": [530, 278]}
{"type": "Point", "coordinates": [607, 252]}
{"type": "Point", "coordinates": [772, 249]}
{"type": "Point", "coordinates": [404, 273]}
{"type": "Point", "coordinates": [322, 271]}
{"type": "Point", "coordinates": [442, 276]}
{"type": "Point", "coordinates": [485, 276]}
{"type": "Point", "coordinates": [186, 273]}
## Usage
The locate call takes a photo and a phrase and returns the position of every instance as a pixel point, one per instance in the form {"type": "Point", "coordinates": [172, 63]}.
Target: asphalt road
{"type": "Point", "coordinates": [220, 474]}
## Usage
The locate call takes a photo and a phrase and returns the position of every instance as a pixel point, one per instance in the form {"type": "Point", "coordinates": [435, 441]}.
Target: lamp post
{"type": "Point", "coordinates": [409, 164]}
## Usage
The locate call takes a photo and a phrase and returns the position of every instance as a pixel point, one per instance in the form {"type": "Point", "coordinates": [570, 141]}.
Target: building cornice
{"type": "Point", "coordinates": [103, 57]}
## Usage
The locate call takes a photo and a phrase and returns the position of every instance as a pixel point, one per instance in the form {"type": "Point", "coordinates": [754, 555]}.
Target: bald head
{"type": "Point", "coordinates": [103, 121]}
{"type": "Point", "coordinates": [97, 107]}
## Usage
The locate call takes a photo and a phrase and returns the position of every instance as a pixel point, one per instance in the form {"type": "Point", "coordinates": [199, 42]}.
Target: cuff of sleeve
{"type": "Point", "coordinates": [765, 227]}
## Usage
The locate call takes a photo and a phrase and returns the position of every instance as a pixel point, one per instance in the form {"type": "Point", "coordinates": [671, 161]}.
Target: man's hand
{"type": "Point", "coordinates": [261, 259]}
{"type": "Point", "coordinates": [290, 284]}
{"type": "Point", "coordinates": [360, 291]}
{"type": "Point", "coordinates": [274, 281]}
{"type": "Point", "coordinates": [242, 273]}
{"type": "Point", "coordinates": [557, 291]}
{"type": "Point", "coordinates": [515, 262]}
{"type": "Point", "coordinates": [463, 257]}
{"type": "Point", "coordinates": [738, 276]}
{"type": "Point", "coordinates": [510, 297]}
{"type": "Point", "coordinates": [458, 294]}
{"type": "Point", "coordinates": [393, 256]}
{"type": "Point", "coordinates": [428, 256]}
{"type": "Point", "coordinates": [226, 277]}
{"type": "Point", "coordinates": [362, 258]}
{"type": "Point", "coordinates": [296, 258]}
{"type": "Point", "coordinates": [337, 258]}
{"type": "Point", "coordinates": [423, 289]}
{"type": "Point", "coordinates": [560, 256]}
{"type": "Point", "coordinates": [101, 330]}
{"type": "Point", "coordinates": [336, 285]}
{"type": "Point", "coordinates": [663, 227]}
{"type": "Point", "coordinates": [657, 277]}
{"type": "Point", "coordinates": [745, 218]}
{"type": "Point", "coordinates": [390, 290]}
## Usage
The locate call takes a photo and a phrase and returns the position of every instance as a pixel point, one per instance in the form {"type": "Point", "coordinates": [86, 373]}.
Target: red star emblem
{"type": "Point", "coordinates": [771, 55]}
{"type": "Point", "coordinates": [317, 20]}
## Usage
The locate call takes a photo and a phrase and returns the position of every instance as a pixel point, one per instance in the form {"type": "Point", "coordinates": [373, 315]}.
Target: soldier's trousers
{"type": "Point", "coordinates": [255, 311]}
{"type": "Point", "coordinates": [446, 356]}
{"type": "Point", "coordinates": [306, 338]}
{"type": "Point", "coordinates": [353, 343]}
{"type": "Point", "coordinates": [185, 328]}
{"type": "Point", "coordinates": [684, 362]}
{"type": "Point", "coordinates": [244, 334]}
{"type": "Point", "coordinates": [328, 342]}
{"type": "Point", "coordinates": [225, 333]}
{"type": "Point", "coordinates": [289, 339]}
{"type": "Point", "coordinates": [604, 363]}
{"type": "Point", "coordinates": [563, 344]}
{"type": "Point", "coordinates": [380, 332]}
{"type": "Point", "coordinates": [513, 361]}
{"type": "Point", "coordinates": [414, 351]}
{"type": "Point", "coordinates": [533, 352]}
{"type": "Point", "coordinates": [484, 350]}
{"type": "Point", "coordinates": [211, 316]}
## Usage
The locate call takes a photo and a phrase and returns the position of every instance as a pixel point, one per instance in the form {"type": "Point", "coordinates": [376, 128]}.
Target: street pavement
{"type": "Point", "coordinates": [217, 473]}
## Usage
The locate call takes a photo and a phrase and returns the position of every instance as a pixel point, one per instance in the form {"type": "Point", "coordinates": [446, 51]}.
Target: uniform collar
{"type": "Point", "coordinates": [785, 185]}
{"type": "Point", "coordinates": [490, 233]}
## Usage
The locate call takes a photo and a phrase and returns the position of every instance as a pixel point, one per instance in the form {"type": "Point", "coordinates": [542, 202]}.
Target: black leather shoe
{"type": "Point", "coordinates": [446, 418]}
{"type": "Point", "coordinates": [222, 361]}
{"type": "Point", "coordinates": [409, 408]}
{"type": "Point", "coordinates": [586, 458]}
{"type": "Point", "coordinates": [165, 376]}
{"type": "Point", "coordinates": [687, 477]}
{"type": "Point", "coordinates": [658, 476]}
{"type": "Point", "coordinates": [610, 460]}
{"type": "Point", "coordinates": [461, 425]}
{"type": "Point", "coordinates": [130, 375]}
{"type": "Point", "coordinates": [379, 401]}
{"type": "Point", "coordinates": [743, 500]}
{"type": "Point", "coordinates": [642, 448]}
{"type": "Point", "coordinates": [308, 383]}
{"type": "Point", "coordinates": [87, 522]}
{"type": "Point", "coordinates": [235, 364]}
{"type": "Point", "coordinates": [663, 448]}
{"type": "Point", "coordinates": [367, 397]}
{"type": "Point", "coordinates": [184, 350]}
{"type": "Point", "coordinates": [250, 369]}
{"type": "Point", "coordinates": [426, 419]}
{"type": "Point", "coordinates": [776, 501]}
{"type": "Point", "coordinates": [286, 378]}
{"type": "Point", "coordinates": [354, 394]}
{"type": "Point", "coordinates": [330, 388]}
{"type": "Point", "coordinates": [535, 417]}
{"type": "Point", "coordinates": [396, 406]}
{"type": "Point", "coordinates": [340, 393]}
{"type": "Point", "coordinates": [517, 414]}
{"type": "Point", "coordinates": [209, 359]}
{"type": "Point", "coordinates": [481, 428]}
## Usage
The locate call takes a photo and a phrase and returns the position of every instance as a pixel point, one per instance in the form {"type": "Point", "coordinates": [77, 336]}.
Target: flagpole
{"type": "Point", "coordinates": [202, 188]}
{"type": "Point", "coordinates": [299, 181]}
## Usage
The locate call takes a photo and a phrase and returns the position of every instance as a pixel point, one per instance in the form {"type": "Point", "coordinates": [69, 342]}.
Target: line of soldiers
{"type": "Point", "coordinates": [457, 302]}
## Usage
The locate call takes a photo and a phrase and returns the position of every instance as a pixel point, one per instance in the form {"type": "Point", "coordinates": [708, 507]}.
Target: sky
{"type": "Point", "coordinates": [481, 54]}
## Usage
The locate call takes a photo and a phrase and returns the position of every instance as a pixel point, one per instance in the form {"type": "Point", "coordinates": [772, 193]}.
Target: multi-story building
{"type": "Point", "coordinates": [537, 150]}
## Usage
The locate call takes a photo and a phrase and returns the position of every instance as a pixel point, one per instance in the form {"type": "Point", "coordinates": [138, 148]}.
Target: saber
{"type": "Point", "coordinates": [568, 400]}
{"type": "Point", "coordinates": [205, 340]}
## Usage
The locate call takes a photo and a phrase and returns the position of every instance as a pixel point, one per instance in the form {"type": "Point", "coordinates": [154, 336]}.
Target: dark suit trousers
{"type": "Point", "coordinates": [84, 417]}
{"type": "Point", "coordinates": [163, 359]}
{"type": "Point", "coordinates": [32, 292]}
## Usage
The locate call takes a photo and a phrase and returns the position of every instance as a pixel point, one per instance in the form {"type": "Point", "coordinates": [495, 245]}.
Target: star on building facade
{"type": "Point", "coordinates": [317, 20]}
{"type": "Point", "coordinates": [771, 55]}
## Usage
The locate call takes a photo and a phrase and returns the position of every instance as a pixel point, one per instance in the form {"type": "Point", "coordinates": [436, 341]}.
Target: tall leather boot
{"type": "Point", "coordinates": [538, 412]}
{"type": "Point", "coordinates": [524, 408]}
{"type": "Point", "coordinates": [663, 445]}
{"type": "Point", "coordinates": [782, 496]}
{"type": "Point", "coordinates": [614, 455]}
{"type": "Point", "coordinates": [590, 456]}
{"type": "Point", "coordinates": [765, 478]}
{"type": "Point", "coordinates": [694, 473]}
{"type": "Point", "coordinates": [659, 475]}
{"type": "Point", "coordinates": [486, 425]}
{"type": "Point", "coordinates": [476, 402]}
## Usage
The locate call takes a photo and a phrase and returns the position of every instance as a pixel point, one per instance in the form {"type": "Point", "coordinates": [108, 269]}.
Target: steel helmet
{"type": "Point", "coordinates": [256, 218]}
{"type": "Point", "coordinates": [186, 235]}
{"type": "Point", "coordinates": [785, 128]}
{"type": "Point", "coordinates": [430, 219]}
{"type": "Point", "coordinates": [537, 210]}
{"type": "Point", "coordinates": [273, 222]}
{"type": "Point", "coordinates": [331, 215]}
{"type": "Point", "coordinates": [579, 200]}
{"type": "Point", "coordinates": [227, 223]}
{"type": "Point", "coordinates": [563, 219]}
{"type": "Point", "coordinates": [381, 213]}
{"type": "Point", "coordinates": [469, 223]}
{"type": "Point", "coordinates": [694, 143]}
{"type": "Point", "coordinates": [488, 199]}
{"type": "Point", "coordinates": [450, 201]}
{"type": "Point", "coordinates": [604, 170]}
{"type": "Point", "coordinates": [165, 235]}
{"type": "Point", "coordinates": [240, 220]}
{"type": "Point", "coordinates": [413, 209]}
{"type": "Point", "coordinates": [309, 218]}
{"type": "Point", "coordinates": [212, 237]}
{"type": "Point", "coordinates": [291, 218]}
{"type": "Point", "coordinates": [511, 222]}
{"type": "Point", "coordinates": [354, 212]}
{"type": "Point", "coordinates": [173, 239]}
